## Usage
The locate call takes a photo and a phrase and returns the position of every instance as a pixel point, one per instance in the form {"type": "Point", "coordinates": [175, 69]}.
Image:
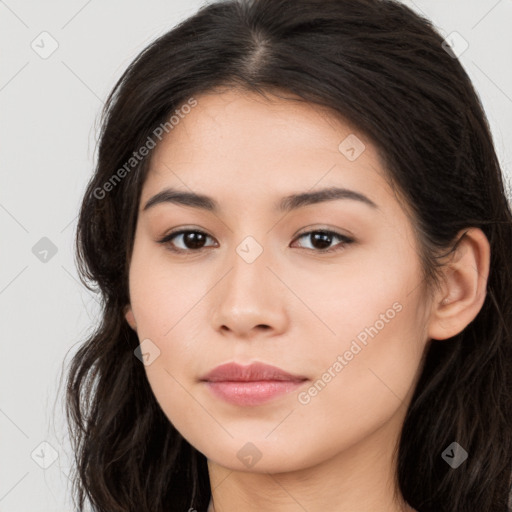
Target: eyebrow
{"type": "Point", "coordinates": [286, 204]}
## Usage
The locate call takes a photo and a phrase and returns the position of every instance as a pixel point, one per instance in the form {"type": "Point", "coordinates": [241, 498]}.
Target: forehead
{"type": "Point", "coordinates": [242, 142]}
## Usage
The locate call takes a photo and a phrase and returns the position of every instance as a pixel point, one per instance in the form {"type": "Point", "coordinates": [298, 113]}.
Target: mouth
{"type": "Point", "coordinates": [254, 384]}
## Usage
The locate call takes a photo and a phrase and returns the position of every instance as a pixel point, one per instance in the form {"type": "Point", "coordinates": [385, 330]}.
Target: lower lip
{"type": "Point", "coordinates": [252, 393]}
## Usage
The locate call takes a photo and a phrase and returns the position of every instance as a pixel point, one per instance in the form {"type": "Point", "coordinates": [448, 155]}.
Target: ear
{"type": "Point", "coordinates": [128, 314]}
{"type": "Point", "coordinates": [458, 302]}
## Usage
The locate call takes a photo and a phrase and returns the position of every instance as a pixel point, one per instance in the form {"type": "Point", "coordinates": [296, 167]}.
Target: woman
{"type": "Point", "coordinates": [299, 228]}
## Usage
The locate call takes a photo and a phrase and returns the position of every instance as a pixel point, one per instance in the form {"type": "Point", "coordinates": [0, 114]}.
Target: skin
{"type": "Point", "coordinates": [291, 307]}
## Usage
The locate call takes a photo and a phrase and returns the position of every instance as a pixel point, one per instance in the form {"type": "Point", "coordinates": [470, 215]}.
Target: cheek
{"type": "Point", "coordinates": [372, 349]}
{"type": "Point", "coordinates": [365, 377]}
{"type": "Point", "coordinates": [162, 295]}
{"type": "Point", "coordinates": [373, 301]}
{"type": "Point", "coordinates": [164, 302]}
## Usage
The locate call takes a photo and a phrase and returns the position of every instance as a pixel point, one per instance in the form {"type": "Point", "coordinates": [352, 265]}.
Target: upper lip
{"type": "Point", "coordinates": [252, 372]}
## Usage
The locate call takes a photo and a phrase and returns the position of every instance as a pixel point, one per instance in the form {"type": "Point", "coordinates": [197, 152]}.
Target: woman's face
{"type": "Point", "coordinates": [256, 287]}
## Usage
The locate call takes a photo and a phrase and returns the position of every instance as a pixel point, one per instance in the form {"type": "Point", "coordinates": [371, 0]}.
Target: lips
{"type": "Point", "coordinates": [250, 385]}
{"type": "Point", "coordinates": [252, 373]}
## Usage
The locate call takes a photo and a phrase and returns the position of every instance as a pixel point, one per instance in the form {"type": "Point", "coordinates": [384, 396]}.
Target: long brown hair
{"type": "Point", "coordinates": [385, 69]}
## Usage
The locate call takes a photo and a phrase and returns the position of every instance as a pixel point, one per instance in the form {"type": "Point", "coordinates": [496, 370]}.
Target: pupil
{"type": "Point", "coordinates": [193, 240]}
{"type": "Point", "coordinates": [323, 238]}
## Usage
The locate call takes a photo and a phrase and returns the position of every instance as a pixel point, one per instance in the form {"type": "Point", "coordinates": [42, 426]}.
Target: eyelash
{"type": "Point", "coordinates": [345, 240]}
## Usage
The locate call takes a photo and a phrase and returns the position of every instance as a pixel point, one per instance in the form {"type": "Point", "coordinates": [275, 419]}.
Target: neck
{"type": "Point", "coordinates": [361, 478]}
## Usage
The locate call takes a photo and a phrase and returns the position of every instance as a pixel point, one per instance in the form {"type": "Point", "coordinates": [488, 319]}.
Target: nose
{"type": "Point", "coordinates": [250, 300]}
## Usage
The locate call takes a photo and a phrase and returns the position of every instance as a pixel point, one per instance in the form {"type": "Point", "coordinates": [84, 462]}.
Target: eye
{"type": "Point", "coordinates": [321, 240]}
{"type": "Point", "coordinates": [192, 239]}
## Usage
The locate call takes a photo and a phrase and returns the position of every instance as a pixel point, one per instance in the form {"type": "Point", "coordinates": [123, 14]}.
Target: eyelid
{"type": "Point", "coordinates": [180, 231]}
{"type": "Point", "coordinates": [314, 228]}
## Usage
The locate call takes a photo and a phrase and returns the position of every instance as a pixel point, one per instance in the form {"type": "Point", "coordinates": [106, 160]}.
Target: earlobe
{"type": "Point", "coordinates": [465, 286]}
{"type": "Point", "coordinates": [128, 314]}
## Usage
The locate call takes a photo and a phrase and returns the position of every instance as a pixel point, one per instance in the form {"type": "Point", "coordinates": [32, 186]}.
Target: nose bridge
{"type": "Point", "coordinates": [247, 297]}
{"type": "Point", "coordinates": [248, 278]}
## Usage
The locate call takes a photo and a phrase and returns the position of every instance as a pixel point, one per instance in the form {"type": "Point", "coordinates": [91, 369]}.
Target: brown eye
{"type": "Point", "coordinates": [322, 239]}
{"type": "Point", "coordinates": [184, 241]}
{"type": "Point", "coordinates": [190, 240]}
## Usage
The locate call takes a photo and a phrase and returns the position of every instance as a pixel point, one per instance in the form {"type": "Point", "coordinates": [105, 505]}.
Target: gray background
{"type": "Point", "coordinates": [50, 110]}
